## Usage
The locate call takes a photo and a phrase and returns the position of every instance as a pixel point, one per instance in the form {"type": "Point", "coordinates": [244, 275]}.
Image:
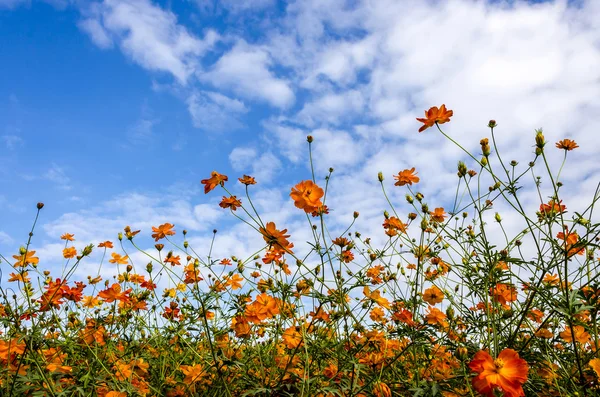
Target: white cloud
{"type": "Point", "coordinates": [212, 111]}
{"type": "Point", "coordinates": [97, 33]}
{"type": "Point", "coordinates": [332, 109]}
{"type": "Point", "coordinates": [5, 238]}
{"type": "Point", "coordinates": [57, 175]}
{"type": "Point", "coordinates": [150, 35]}
{"type": "Point", "coordinates": [262, 166]}
{"type": "Point", "coordinates": [245, 70]}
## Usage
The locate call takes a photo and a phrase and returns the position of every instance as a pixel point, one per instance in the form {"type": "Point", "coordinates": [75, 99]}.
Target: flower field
{"type": "Point", "coordinates": [437, 310]}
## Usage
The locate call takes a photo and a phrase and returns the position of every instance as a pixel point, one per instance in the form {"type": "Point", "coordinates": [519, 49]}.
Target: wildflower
{"type": "Point", "coordinates": [292, 338]}
{"type": "Point", "coordinates": [595, 365]}
{"type": "Point", "coordinates": [571, 239]}
{"type": "Point", "coordinates": [567, 144]}
{"type": "Point", "coordinates": [247, 180]}
{"type": "Point", "coordinates": [26, 258]}
{"type": "Point", "coordinates": [307, 196]}
{"type": "Point", "coordinates": [230, 202]}
{"type": "Point", "coordinates": [552, 208]}
{"type": "Point", "coordinates": [433, 295]}
{"type": "Point", "coordinates": [193, 373]}
{"type": "Point", "coordinates": [406, 177]}
{"type": "Point", "coordinates": [67, 237]}
{"type": "Point", "coordinates": [214, 180]}
{"type": "Point", "coordinates": [508, 372]}
{"type": "Point", "coordinates": [69, 252]}
{"type": "Point", "coordinates": [276, 238]}
{"type": "Point", "coordinates": [381, 389]}
{"type": "Point", "coordinates": [106, 244]}
{"type": "Point", "coordinates": [438, 215]}
{"type": "Point", "coordinates": [22, 277]}
{"type": "Point", "coordinates": [503, 294]}
{"type": "Point", "coordinates": [435, 116]}
{"type": "Point", "coordinates": [235, 282]}
{"type": "Point", "coordinates": [579, 335]}
{"type": "Point", "coordinates": [116, 258]}
{"type": "Point", "coordinates": [162, 231]}
{"type": "Point", "coordinates": [376, 297]}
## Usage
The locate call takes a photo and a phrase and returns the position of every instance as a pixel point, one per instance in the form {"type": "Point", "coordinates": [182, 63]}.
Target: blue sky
{"type": "Point", "coordinates": [111, 112]}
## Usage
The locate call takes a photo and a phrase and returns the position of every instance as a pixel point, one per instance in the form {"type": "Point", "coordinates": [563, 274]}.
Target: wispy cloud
{"type": "Point", "coordinates": [150, 35]}
{"type": "Point", "coordinates": [213, 111]}
{"type": "Point", "coordinates": [12, 141]}
{"type": "Point", "coordinates": [58, 176]}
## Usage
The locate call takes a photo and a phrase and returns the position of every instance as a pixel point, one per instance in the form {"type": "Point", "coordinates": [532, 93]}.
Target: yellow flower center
{"type": "Point", "coordinates": [499, 363]}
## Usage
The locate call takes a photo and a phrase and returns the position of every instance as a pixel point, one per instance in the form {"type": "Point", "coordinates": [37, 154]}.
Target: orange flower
{"type": "Point", "coordinates": [381, 389]}
{"type": "Point", "coordinates": [193, 373]}
{"type": "Point", "coordinates": [433, 295]}
{"type": "Point", "coordinates": [438, 215]}
{"type": "Point", "coordinates": [114, 293]}
{"type": "Point", "coordinates": [503, 294]}
{"type": "Point", "coordinates": [292, 338]}
{"type": "Point", "coordinates": [508, 372]}
{"type": "Point", "coordinates": [106, 244]}
{"type": "Point", "coordinates": [116, 258]}
{"type": "Point", "coordinates": [69, 252]}
{"type": "Point", "coordinates": [376, 297]}
{"type": "Point", "coordinates": [214, 180]}
{"type": "Point", "coordinates": [247, 180]}
{"type": "Point", "coordinates": [406, 177]}
{"type": "Point", "coordinates": [581, 335]}
{"type": "Point", "coordinates": [230, 202]}
{"type": "Point", "coordinates": [163, 231]}
{"type": "Point", "coordinates": [24, 260]}
{"type": "Point", "coordinates": [435, 116]}
{"type": "Point", "coordinates": [276, 238]}
{"type": "Point", "coordinates": [567, 144]}
{"type": "Point", "coordinates": [68, 237]}
{"type": "Point", "coordinates": [307, 196]}
{"type": "Point", "coordinates": [552, 208]}
{"type": "Point", "coordinates": [595, 365]}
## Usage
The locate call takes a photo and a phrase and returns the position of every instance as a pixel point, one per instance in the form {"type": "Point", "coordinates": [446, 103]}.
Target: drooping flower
{"type": "Point", "coordinates": [307, 196]}
{"type": "Point", "coordinates": [508, 372]}
{"type": "Point", "coordinates": [214, 180]}
{"type": "Point", "coordinates": [406, 177]}
{"type": "Point", "coordinates": [68, 237]}
{"type": "Point", "coordinates": [435, 115]}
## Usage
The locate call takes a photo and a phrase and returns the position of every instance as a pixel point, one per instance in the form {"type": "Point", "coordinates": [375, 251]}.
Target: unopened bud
{"type": "Point", "coordinates": [412, 216]}
{"type": "Point", "coordinates": [149, 267]}
{"type": "Point", "coordinates": [309, 138]}
{"type": "Point", "coordinates": [492, 124]}
{"type": "Point", "coordinates": [356, 214]}
{"type": "Point", "coordinates": [129, 268]}
{"type": "Point", "coordinates": [380, 176]}
{"type": "Point", "coordinates": [120, 236]}
{"type": "Point", "coordinates": [410, 199]}
{"type": "Point", "coordinates": [484, 161]}
{"type": "Point", "coordinates": [540, 141]}
{"type": "Point", "coordinates": [159, 247]}
{"type": "Point", "coordinates": [462, 169]}
{"type": "Point", "coordinates": [497, 217]}
{"type": "Point", "coordinates": [386, 214]}
{"type": "Point", "coordinates": [40, 206]}
{"type": "Point", "coordinates": [419, 196]}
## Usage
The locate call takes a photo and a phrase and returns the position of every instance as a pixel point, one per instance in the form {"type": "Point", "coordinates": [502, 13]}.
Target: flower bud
{"type": "Point", "coordinates": [425, 208]}
{"type": "Point", "coordinates": [412, 216]}
{"type": "Point", "coordinates": [22, 250]}
{"type": "Point", "coordinates": [497, 217]}
{"type": "Point", "coordinates": [309, 138]}
{"type": "Point", "coordinates": [40, 206]}
{"type": "Point", "coordinates": [424, 224]}
{"type": "Point", "coordinates": [129, 268]}
{"type": "Point", "coordinates": [120, 236]}
{"type": "Point", "coordinates": [462, 169]}
{"type": "Point", "coordinates": [356, 214]}
{"type": "Point", "coordinates": [485, 147]}
{"type": "Point", "coordinates": [386, 214]}
{"type": "Point", "coordinates": [186, 244]}
{"type": "Point", "coordinates": [419, 196]}
{"type": "Point", "coordinates": [409, 198]}
{"type": "Point", "coordinates": [149, 267]}
{"type": "Point", "coordinates": [540, 141]}
{"type": "Point", "coordinates": [159, 247]}
{"type": "Point", "coordinates": [492, 124]}
{"type": "Point", "coordinates": [380, 176]}
{"type": "Point", "coordinates": [484, 161]}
